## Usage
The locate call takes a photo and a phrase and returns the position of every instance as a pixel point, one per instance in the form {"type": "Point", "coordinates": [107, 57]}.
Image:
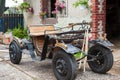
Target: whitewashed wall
{"type": "Point", "coordinates": [74, 14]}
{"type": "Point", "coordinates": [33, 18]}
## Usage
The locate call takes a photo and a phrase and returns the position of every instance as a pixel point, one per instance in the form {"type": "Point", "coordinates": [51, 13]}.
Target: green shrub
{"type": "Point", "coordinates": [19, 32]}
{"type": "Point", "coordinates": [23, 6]}
{"type": "Point", "coordinates": [81, 2]}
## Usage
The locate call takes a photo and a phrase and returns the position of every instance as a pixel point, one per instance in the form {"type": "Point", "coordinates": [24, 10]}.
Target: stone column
{"type": "Point", "coordinates": [98, 9]}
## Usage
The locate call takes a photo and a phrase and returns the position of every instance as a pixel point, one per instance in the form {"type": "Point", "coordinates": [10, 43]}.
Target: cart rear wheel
{"type": "Point", "coordinates": [15, 52]}
{"type": "Point", "coordinates": [64, 66]}
{"type": "Point", "coordinates": [103, 61]}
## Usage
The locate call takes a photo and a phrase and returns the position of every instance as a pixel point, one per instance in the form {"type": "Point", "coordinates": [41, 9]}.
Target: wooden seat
{"type": "Point", "coordinates": [39, 30]}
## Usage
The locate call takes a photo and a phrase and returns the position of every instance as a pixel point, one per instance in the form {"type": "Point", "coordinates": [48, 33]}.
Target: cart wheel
{"type": "Point", "coordinates": [103, 61]}
{"type": "Point", "coordinates": [64, 66]}
{"type": "Point", "coordinates": [15, 52]}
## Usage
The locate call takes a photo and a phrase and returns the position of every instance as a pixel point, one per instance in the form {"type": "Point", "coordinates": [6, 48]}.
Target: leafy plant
{"type": "Point", "coordinates": [81, 2]}
{"type": "Point", "coordinates": [54, 13]}
{"type": "Point", "coordinates": [42, 13]}
{"type": "Point", "coordinates": [19, 32]}
{"type": "Point", "coordinates": [60, 6]}
{"type": "Point", "coordinates": [24, 6]}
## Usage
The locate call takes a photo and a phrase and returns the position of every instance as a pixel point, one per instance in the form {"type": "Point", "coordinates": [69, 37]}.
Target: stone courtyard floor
{"type": "Point", "coordinates": [30, 70]}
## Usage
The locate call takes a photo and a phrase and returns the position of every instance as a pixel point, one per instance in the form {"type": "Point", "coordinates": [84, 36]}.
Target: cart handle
{"type": "Point", "coordinates": [71, 25]}
{"type": "Point", "coordinates": [83, 23]}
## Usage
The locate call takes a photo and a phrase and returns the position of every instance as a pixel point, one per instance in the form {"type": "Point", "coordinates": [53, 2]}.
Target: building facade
{"type": "Point", "coordinates": [104, 15]}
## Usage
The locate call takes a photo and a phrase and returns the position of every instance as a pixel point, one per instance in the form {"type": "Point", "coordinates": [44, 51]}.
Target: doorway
{"type": "Point", "coordinates": [113, 18]}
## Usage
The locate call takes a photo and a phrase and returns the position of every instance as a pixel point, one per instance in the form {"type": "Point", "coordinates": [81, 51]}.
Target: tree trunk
{"type": "Point", "coordinates": [2, 7]}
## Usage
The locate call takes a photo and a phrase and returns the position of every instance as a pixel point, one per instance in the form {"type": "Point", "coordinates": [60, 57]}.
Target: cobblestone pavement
{"type": "Point", "coordinates": [30, 70]}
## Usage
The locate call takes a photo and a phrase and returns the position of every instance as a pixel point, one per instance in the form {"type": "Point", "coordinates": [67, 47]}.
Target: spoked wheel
{"type": "Point", "coordinates": [64, 66]}
{"type": "Point", "coordinates": [103, 59]}
{"type": "Point", "coordinates": [15, 52]}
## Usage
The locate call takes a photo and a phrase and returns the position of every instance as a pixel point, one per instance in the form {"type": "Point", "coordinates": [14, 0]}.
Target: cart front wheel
{"type": "Point", "coordinates": [15, 52]}
{"type": "Point", "coordinates": [64, 66]}
{"type": "Point", "coordinates": [103, 61]}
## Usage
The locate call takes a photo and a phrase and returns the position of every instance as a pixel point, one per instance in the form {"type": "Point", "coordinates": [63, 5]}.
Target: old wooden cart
{"type": "Point", "coordinates": [64, 48]}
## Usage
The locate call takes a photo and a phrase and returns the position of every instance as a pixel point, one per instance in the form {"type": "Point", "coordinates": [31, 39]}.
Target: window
{"type": "Point", "coordinates": [53, 6]}
{"type": "Point", "coordinates": [48, 6]}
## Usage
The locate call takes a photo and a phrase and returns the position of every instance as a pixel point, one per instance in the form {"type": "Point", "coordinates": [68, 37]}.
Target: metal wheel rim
{"type": "Point", "coordinates": [12, 51]}
{"type": "Point", "coordinates": [99, 59]}
{"type": "Point", "coordinates": [61, 67]}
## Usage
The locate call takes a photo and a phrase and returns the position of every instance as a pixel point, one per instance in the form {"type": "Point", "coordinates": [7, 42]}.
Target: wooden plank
{"type": "Point", "coordinates": [43, 33]}
{"type": "Point", "coordinates": [38, 43]}
{"type": "Point", "coordinates": [39, 30]}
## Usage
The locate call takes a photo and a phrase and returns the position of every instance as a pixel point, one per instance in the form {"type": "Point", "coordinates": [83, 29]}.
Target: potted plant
{"type": "Point", "coordinates": [54, 13]}
{"type": "Point", "coordinates": [27, 11]}
{"type": "Point", "coordinates": [82, 3]}
{"type": "Point", "coordinates": [42, 15]}
{"type": "Point", "coordinates": [25, 7]}
{"type": "Point", "coordinates": [60, 6]}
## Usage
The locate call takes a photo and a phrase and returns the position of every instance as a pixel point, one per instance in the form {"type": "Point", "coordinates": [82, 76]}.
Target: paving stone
{"type": "Point", "coordinates": [43, 70]}
{"type": "Point", "coordinates": [1, 59]}
{"type": "Point", "coordinates": [8, 72]}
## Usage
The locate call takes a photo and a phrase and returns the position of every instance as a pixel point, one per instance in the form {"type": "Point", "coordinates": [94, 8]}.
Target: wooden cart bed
{"type": "Point", "coordinates": [37, 32]}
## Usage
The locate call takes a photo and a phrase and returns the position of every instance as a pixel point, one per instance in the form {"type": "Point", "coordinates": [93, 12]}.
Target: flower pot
{"type": "Point", "coordinates": [43, 17]}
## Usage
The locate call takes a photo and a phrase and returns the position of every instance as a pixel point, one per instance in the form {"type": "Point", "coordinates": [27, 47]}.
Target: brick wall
{"type": "Point", "coordinates": [98, 9]}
